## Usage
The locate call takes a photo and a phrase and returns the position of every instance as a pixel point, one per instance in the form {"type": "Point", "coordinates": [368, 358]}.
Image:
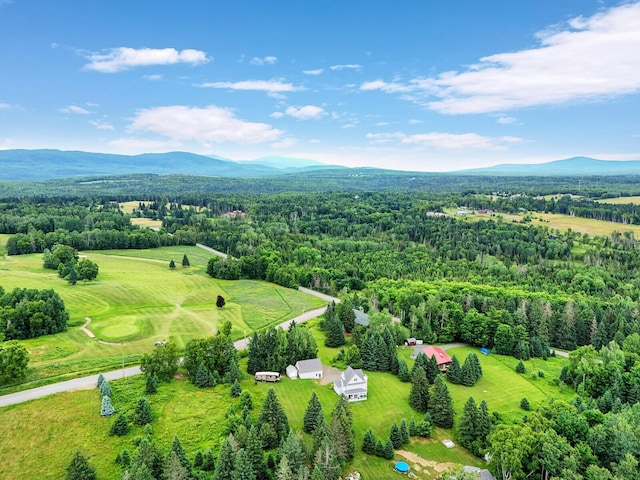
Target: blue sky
{"type": "Point", "coordinates": [415, 85]}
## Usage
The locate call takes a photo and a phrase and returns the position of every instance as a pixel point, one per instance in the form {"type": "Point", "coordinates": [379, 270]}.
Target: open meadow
{"type": "Point", "coordinates": [47, 431]}
{"type": "Point", "coordinates": [138, 300]}
{"type": "Point", "coordinates": [621, 200]}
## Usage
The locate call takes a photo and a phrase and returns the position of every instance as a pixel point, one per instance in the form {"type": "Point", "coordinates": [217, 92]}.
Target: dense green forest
{"type": "Point", "coordinates": [513, 287]}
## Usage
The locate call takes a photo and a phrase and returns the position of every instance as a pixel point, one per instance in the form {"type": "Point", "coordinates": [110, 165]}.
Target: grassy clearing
{"type": "Point", "coordinates": [55, 426]}
{"type": "Point", "coordinates": [138, 300]}
{"type": "Point", "coordinates": [621, 200]}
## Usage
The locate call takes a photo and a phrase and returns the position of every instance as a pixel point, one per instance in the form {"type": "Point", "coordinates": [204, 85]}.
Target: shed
{"type": "Point", "coordinates": [292, 372]}
{"type": "Point", "coordinates": [410, 342]}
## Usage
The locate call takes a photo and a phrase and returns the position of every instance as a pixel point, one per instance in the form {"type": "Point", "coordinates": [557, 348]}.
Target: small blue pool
{"type": "Point", "coordinates": [402, 467]}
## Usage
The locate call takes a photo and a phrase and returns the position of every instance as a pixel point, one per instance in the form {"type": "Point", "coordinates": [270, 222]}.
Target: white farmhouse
{"type": "Point", "coordinates": [352, 384]}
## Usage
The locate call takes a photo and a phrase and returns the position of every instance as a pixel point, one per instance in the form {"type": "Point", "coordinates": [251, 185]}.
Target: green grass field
{"type": "Point", "coordinates": [55, 426]}
{"type": "Point", "coordinates": [621, 200]}
{"type": "Point", "coordinates": [137, 300]}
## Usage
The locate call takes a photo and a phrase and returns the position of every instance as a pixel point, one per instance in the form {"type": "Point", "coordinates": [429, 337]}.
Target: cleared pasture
{"type": "Point", "coordinates": [621, 200]}
{"type": "Point", "coordinates": [138, 300]}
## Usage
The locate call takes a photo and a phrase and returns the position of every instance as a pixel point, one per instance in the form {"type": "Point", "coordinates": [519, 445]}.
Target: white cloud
{"type": "Point", "coordinates": [349, 66]}
{"type": "Point", "coordinates": [382, 124]}
{"type": "Point", "coordinates": [6, 106]}
{"type": "Point", "coordinates": [124, 58]}
{"type": "Point", "coordinates": [305, 113]}
{"type": "Point", "coordinates": [277, 115]}
{"type": "Point", "coordinates": [75, 109]}
{"type": "Point", "coordinates": [285, 143]}
{"type": "Point", "coordinates": [317, 71]}
{"type": "Point", "coordinates": [506, 120]}
{"type": "Point", "coordinates": [269, 60]}
{"type": "Point", "coordinates": [153, 78]}
{"type": "Point", "coordinates": [101, 125]}
{"type": "Point", "coordinates": [447, 141]}
{"type": "Point", "coordinates": [209, 124]}
{"type": "Point", "coordinates": [415, 121]}
{"type": "Point", "coordinates": [584, 59]}
{"type": "Point", "coordinates": [314, 140]}
{"type": "Point", "coordinates": [271, 86]}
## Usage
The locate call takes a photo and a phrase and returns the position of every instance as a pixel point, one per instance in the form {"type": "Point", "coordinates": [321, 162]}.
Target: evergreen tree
{"type": "Point", "coordinates": [369, 351]}
{"type": "Point", "coordinates": [73, 275]}
{"type": "Point", "coordinates": [198, 459]}
{"type": "Point", "coordinates": [255, 355]}
{"type": "Point", "coordinates": [272, 412]}
{"type": "Point", "coordinates": [380, 448]}
{"type": "Point", "coordinates": [327, 461]}
{"type": "Point", "coordinates": [220, 301]}
{"type": "Point", "coordinates": [106, 409]}
{"type": "Point", "coordinates": [441, 404]}
{"type": "Point", "coordinates": [419, 395]}
{"type": "Point", "coordinates": [174, 470]}
{"type": "Point", "coordinates": [293, 449]}
{"type": "Point", "coordinates": [178, 449]}
{"type": "Point", "coordinates": [412, 427]}
{"type": "Point", "coordinates": [185, 261]}
{"type": "Point", "coordinates": [208, 462]}
{"type": "Point", "coordinates": [483, 429]}
{"type": "Point", "coordinates": [284, 470]}
{"type": "Point", "coordinates": [143, 413]}
{"type": "Point", "coordinates": [101, 379]}
{"type": "Point", "coordinates": [341, 430]}
{"type": "Point", "coordinates": [520, 367]}
{"type": "Point", "coordinates": [346, 314]}
{"type": "Point", "coordinates": [395, 436]}
{"type": "Point", "coordinates": [468, 376]}
{"type": "Point", "coordinates": [225, 462]}
{"type": "Point", "coordinates": [236, 389]}
{"type": "Point", "coordinates": [432, 371]}
{"type": "Point", "coordinates": [105, 389]}
{"type": "Point", "coordinates": [421, 361]}
{"type": "Point", "coordinates": [79, 468]}
{"type": "Point", "coordinates": [335, 332]}
{"type": "Point", "coordinates": [383, 360]}
{"type": "Point", "coordinates": [253, 447]}
{"type": "Point", "coordinates": [454, 372]}
{"type": "Point", "coordinates": [150, 457]}
{"type": "Point", "coordinates": [314, 409]}
{"type": "Point", "coordinates": [388, 450]}
{"type": "Point", "coordinates": [268, 436]}
{"type": "Point", "coordinates": [524, 404]}
{"type": "Point", "coordinates": [243, 467]}
{"type": "Point", "coordinates": [403, 372]}
{"type": "Point", "coordinates": [151, 386]}
{"type": "Point", "coordinates": [404, 432]}
{"type": "Point", "coordinates": [204, 378]}
{"type": "Point", "coordinates": [467, 430]}
{"type": "Point", "coordinates": [120, 427]}
{"type": "Point", "coordinates": [353, 358]}
{"type": "Point", "coordinates": [172, 264]}
{"type": "Point", "coordinates": [369, 443]}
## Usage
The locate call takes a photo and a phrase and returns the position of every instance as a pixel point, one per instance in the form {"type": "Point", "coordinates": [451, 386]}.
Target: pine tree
{"type": "Point", "coordinates": [101, 379]}
{"type": "Point", "coordinates": [341, 430]}
{"type": "Point", "coordinates": [412, 427]}
{"type": "Point", "coordinates": [294, 450]}
{"type": "Point", "coordinates": [106, 409]}
{"type": "Point", "coordinates": [220, 301]}
{"type": "Point", "coordinates": [369, 442]}
{"type": "Point", "coordinates": [369, 351]}
{"type": "Point", "coordinates": [236, 389]}
{"type": "Point", "coordinates": [524, 404]}
{"type": "Point", "coordinates": [346, 314]}
{"type": "Point", "coordinates": [520, 367]}
{"type": "Point", "coordinates": [284, 470]}
{"type": "Point", "coordinates": [120, 427]}
{"type": "Point", "coordinates": [419, 395]}
{"type": "Point", "coordinates": [380, 448]}
{"type": "Point", "coordinates": [105, 389]}
{"type": "Point", "coordinates": [255, 453]}
{"type": "Point", "coordinates": [388, 450]}
{"type": "Point", "coordinates": [185, 261]}
{"type": "Point", "coordinates": [272, 412]}
{"type": "Point", "coordinates": [198, 459]}
{"type": "Point", "coordinates": [143, 413]}
{"type": "Point", "coordinates": [208, 462]}
{"type": "Point", "coordinates": [204, 377]}
{"type": "Point", "coordinates": [421, 361]}
{"type": "Point", "coordinates": [441, 404]}
{"type": "Point", "coordinates": [314, 409]}
{"type": "Point", "coordinates": [243, 467]}
{"type": "Point", "coordinates": [327, 461]}
{"type": "Point", "coordinates": [79, 468]}
{"type": "Point", "coordinates": [432, 371]}
{"type": "Point", "coordinates": [395, 436]}
{"type": "Point", "coordinates": [255, 355]}
{"type": "Point", "coordinates": [225, 462]}
{"type": "Point", "coordinates": [404, 431]}
{"type": "Point", "coordinates": [172, 264]}
{"type": "Point", "coordinates": [403, 372]}
{"type": "Point", "coordinates": [174, 470]}
{"type": "Point", "coordinates": [467, 377]}
{"type": "Point", "coordinates": [178, 449]}
{"type": "Point", "coordinates": [335, 332]}
{"type": "Point", "coordinates": [151, 386]}
{"type": "Point", "coordinates": [454, 372]}
{"type": "Point", "coordinates": [467, 430]}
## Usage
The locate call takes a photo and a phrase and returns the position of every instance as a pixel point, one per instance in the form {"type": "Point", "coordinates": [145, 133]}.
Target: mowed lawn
{"type": "Point", "coordinates": [55, 426]}
{"type": "Point", "coordinates": [138, 300]}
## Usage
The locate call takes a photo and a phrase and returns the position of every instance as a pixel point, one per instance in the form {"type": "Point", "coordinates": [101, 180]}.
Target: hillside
{"type": "Point", "coordinates": [576, 166]}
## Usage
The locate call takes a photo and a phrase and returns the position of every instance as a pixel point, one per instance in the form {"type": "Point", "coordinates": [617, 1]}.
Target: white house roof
{"type": "Point", "coordinates": [309, 366]}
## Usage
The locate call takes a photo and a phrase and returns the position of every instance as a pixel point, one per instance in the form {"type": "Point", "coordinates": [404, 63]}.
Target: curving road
{"type": "Point", "coordinates": [91, 380]}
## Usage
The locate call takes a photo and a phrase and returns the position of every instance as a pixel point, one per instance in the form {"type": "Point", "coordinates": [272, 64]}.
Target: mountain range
{"type": "Point", "coordinates": [33, 165]}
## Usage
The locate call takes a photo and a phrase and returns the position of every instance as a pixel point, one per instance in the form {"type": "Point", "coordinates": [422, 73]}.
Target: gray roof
{"type": "Point", "coordinates": [361, 317]}
{"type": "Point", "coordinates": [482, 474]}
{"type": "Point", "coordinates": [308, 366]}
{"type": "Point", "coordinates": [349, 373]}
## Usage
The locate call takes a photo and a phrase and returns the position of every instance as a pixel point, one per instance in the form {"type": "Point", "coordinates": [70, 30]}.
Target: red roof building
{"type": "Point", "coordinates": [442, 358]}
